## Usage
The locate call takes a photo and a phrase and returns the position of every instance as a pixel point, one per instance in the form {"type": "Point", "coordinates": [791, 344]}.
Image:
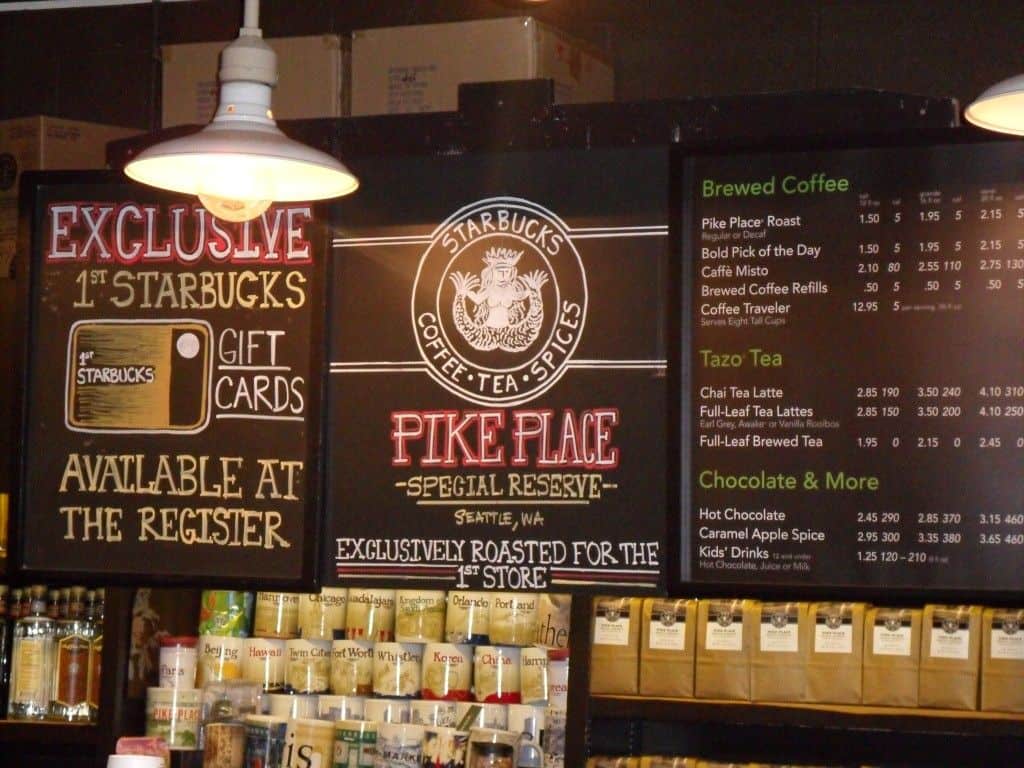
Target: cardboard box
{"type": "Point", "coordinates": [419, 68]}
{"type": "Point", "coordinates": [41, 143]}
{"type": "Point", "coordinates": [311, 79]}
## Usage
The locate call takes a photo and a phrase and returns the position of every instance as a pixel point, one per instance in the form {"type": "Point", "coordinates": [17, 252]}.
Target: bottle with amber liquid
{"type": "Point", "coordinates": [94, 615]}
{"type": "Point", "coordinates": [73, 637]}
{"type": "Point", "coordinates": [32, 661]}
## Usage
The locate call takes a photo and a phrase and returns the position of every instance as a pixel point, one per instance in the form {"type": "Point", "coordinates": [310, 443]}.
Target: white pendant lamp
{"type": "Point", "coordinates": [1000, 108]}
{"type": "Point", "coordinates": [241, 162]}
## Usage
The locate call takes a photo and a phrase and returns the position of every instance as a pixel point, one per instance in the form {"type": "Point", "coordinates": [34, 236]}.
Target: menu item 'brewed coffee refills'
{"type": "Point", "coordinates": [1002, 660]}
{"type": "Point", "coordinates": [778, 663]}
{"type": "Point", "coordinates": [352, 667]}
{"type": "Point", "coordinates": [950, 656]}
{"type": "Point", "coordinates": [892, 656]}
{"type": "Point", "coordinates": [725, 637]}
{"type": "Point", "coordinates": [836, 656]}
{"type": "Point", "coordinates": [615, 655]}
{"type": "Point", "coordinates": [667, 647]}
{"type": "Point", "coordinates": [513, 618]}
{"type": "Point", "coordinates": [370, 615]}
{"type": "Point", "coordinates": [419, 616]}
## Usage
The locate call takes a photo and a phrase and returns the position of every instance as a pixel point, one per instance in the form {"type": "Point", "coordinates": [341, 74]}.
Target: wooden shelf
{"type": "Point", "coordinates": [825, 716]}
{"type": "Point", "coordinates": [43, 732]}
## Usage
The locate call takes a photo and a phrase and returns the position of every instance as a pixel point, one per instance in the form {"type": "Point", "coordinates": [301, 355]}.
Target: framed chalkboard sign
{"type": "Point", "coordinates": [496, 397]}
{"type": "Point", "coordinates": [856, 413]}
{"type": "Point", "coordinates": [169, 426]}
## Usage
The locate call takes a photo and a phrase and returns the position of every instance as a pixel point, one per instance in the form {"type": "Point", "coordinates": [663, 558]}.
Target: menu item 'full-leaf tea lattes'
{"type": "Point", "coordinates": [667, 647]}
{"type": "Point", "coordinates": [725, 637]}
{"type": "Point", "coordinates": [950, 656]}
{"type": "Point", "coordinates": [892, 656]}
{"type": "Point", "coordinates": [1002, 660]}
{"type": "Point", "coordinates": [778, 664]}
{"type": "Point", "coordinates": [615, 654]}
{"type": "Point", "coordinates": [836, 657]}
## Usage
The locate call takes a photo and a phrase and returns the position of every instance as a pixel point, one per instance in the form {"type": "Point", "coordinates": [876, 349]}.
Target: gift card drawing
{"type": "Point", "coordinates": [138, 376]}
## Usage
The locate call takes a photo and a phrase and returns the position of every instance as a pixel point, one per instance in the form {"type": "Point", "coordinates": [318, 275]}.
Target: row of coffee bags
{"type": "Point", "coordinates": [950, 657]}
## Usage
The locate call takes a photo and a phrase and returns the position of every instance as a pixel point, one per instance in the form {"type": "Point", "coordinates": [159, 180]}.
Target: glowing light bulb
{"type": "Point", "coordinates": [233, 210]}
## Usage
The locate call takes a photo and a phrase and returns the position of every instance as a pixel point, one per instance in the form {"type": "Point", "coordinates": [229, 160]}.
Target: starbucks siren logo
{"type": "Point", "coordinates": [499, 301]}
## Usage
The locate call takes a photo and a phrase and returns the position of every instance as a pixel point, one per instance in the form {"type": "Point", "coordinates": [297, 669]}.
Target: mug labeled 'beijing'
{"type": "Point", "coordinates": [220, 658]}
{"type": "Point", "coordinates": [447, 671]}
{"type": "Point", "coordinates": [496, 674]}
{"type": "Point", "coordinates": [397, 668]}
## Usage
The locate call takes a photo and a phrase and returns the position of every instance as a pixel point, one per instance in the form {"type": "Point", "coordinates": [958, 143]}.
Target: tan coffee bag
{"type": "Point", "coordinates": [950, 656]}
{"type": "Point", "coordinates": [892, 656]}
{"type": "Point", "coordinates": [836, 652]}
{"type": "Point", "coordinates": [615, 655]}
{"type": "Point", "coordinates": [614, 762]}
{"type": "Point", "coordinates": [656, 761]}
{"type": "Point", "coordinates": [1002, 660]}
{"type": "Point", "coordinates": [667, 647]}
{"type": "Point", "coordinates": [725, 637]}
{"type": "Point", "coordinates": [778, 666]}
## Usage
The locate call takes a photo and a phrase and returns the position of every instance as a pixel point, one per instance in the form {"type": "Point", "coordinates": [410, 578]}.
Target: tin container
{"type": "Point", "coordinates": [224, 612]}
{"type": "Point", "coordinates": [172, 714]}
{"type": "Point", "coordinates": [178, 658]}
{"type": "Point", "coordinates": [223, 745]}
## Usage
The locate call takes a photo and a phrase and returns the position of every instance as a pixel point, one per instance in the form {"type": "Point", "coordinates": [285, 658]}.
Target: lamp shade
{"type": "Point", "coordinates": [242, 161]}
{"type": "Point", "coordinates": [1000, 108]}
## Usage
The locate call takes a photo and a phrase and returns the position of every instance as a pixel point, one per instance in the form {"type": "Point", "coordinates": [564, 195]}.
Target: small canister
{"type": "Point", "coordinates": [309, 743]}
{"type": "Point", "coordinates": [263, 662]}
{"type": "Point", "coordinates": [172, 714]}
{"type": "Point", "coordinates": [355, 743]}
{"type": "Point", "coordinates": [447, 671]}
{"type": "Point", "coordinates": [277, 615]}
{"type": "Point", "coordinates": [321, 613]}
{"type": "Point", "coordinates": [513, 618]}
{"type": "Point", "coordinates": [309, 666]}
{"type": "Point", "coordinates": [264, 740]}
{"type": "Point", "coordinates": [370, 615]}
{"type": "Point", "coordinates": [351, 668]}
{"type": "Point", "coordinates": [224, 745]}
{"type": "Point", "coordinates": [533, 675]}
{"type": "Point", "coordinates": [220, 659]}
{"type": "Point", "coordinates": [178, 657]}
{"type": "Point", "coordinates": [224, 612]}
{"type": "Point", "coordinates": [466, 620]}
{"type": "Point", "coordinates": [490, 748]}
{"type": "Point", "coordinates": [419, 616]}
{"type": "Point", "coordinates": [396, 669]}
{"type": "Point", "coordinates": [496, 674]}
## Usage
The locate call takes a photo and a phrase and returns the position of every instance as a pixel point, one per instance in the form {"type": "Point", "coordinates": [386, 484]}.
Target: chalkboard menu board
{"type": "Point", "coordinates": [496, 396]}
{"type": "Point", "coordinates": [170, 414]}
{"type": "Point", "coordinates": [856, 408]}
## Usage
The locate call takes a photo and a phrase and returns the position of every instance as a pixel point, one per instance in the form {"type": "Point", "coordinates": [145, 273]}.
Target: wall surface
{"type": "Point", "coordinates": [98, 63]}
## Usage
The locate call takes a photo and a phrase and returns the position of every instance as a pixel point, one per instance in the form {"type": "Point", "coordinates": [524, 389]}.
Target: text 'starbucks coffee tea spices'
{"type": "Point", "coordinates": [778, 663]}
{"type": "Point", "coordinates": [950, 656]}
{"type": "Point", "coordinates": [1002, 660]}
{"type": "Point", "coordinates": [836, 657]}
{"type": "Point", "coordinates": [892, 656]}
{"type": "Point", "coordinates": [725, 637]}
{"type": "Point", "coordinates": [668, 647]}
{"type": "Point", "coordinates": [615, 655]}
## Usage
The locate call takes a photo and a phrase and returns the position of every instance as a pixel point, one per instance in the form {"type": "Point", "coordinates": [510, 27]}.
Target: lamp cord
{"type": "Point", "coordinates": [154, 68]}
{"type": "Point", "coordinates": [251, 14]}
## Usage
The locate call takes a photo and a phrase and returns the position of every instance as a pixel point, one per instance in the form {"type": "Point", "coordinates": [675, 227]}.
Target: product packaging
{"type": "Point", "coordinates": [836, 659]}
{"type": "Point", "coordinates": [668, 644]}
{"type": "Point", "coordinates": [892, 656]}
{"type": "Point", "coordinates": [950, 656]}
{"type": "Point", "coordinates": [1002, 660]}
{"type": "Point", "coordinates": [726, 630]}
{"type": "Point", "coordinates": [778, 664]}
{"type": "Point", "coordinates": [615, 655]}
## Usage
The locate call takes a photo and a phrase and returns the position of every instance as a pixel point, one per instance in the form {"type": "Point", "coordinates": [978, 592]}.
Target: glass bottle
{"type": "Point", "coordinates": [32, 661]}
{"type": "Point", "coordinates": [5, 646]}
{"type": "Point", "coordinates": [95, 618]}
{"type": "Point", "coordinates": [14, 606]}
{"type": "Point", "coordinates": [53, 604]}
{"type": "Point", "coordinates": [62, 603]}
{"type": "Point", "coordinates": [73, 644]}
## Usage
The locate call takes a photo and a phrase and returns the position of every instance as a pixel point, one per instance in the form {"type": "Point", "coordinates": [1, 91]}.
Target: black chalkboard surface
{"type": "Point", "coordinates": [171, 388]}
{"type": "Point", "coordinates": [856, 414]}
{"type": "Point", "coordinates": [496, 396]}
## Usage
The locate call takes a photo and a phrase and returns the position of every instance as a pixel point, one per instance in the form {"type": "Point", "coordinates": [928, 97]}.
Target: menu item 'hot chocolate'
{"type": "Point", "coordinates": [1002, 660]}
{"type": "Point", "coordinates": [615, 652]}
{"type": "Point", "coordinates": [836, 653]}
{"type": "Point", "coordinates": [725, 638]}
{"type": "Point", "coordinates": [779, 659]}
{"type": "Point", "coordinates": [667, 647]}
{"type": "Point", "coordinates": [892, 656]}
{"type": "Point", "coordinates": [950, 656]}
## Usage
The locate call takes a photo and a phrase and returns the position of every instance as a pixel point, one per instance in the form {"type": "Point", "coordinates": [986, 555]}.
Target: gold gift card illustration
{"type": "Point", "coordinates": [138, 376]}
